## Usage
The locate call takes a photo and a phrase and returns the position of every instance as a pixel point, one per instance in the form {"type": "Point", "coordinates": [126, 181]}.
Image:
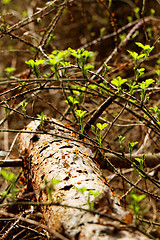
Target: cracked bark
{"type": "Point", "coordinates": [54, 157]}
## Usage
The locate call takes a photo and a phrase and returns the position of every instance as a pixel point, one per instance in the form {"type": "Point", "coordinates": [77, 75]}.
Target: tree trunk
{"type": "Point", "coordinates": [58, 155]}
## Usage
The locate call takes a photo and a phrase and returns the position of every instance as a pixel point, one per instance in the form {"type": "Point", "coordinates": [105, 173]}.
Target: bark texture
{"type": "Point", "coordinates": [56, 157]}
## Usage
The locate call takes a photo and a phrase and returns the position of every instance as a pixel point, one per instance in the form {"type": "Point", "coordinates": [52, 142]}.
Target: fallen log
{"type": "Point", "coordinates": [151, 160]}
{"type": "Point", "coordinates": [52, 156]}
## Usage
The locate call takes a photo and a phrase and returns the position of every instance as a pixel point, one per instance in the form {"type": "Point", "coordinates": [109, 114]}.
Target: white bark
{"type": "Point", "coordinates": [51, 157]}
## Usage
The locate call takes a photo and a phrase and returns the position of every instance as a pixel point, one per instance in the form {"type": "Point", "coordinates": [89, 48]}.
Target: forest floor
{"type": "Point", "coordinates": [101, 27]}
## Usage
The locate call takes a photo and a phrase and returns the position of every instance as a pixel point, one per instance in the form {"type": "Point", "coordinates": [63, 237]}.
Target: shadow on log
{"type": "Point", "coordinates": [51, 156]}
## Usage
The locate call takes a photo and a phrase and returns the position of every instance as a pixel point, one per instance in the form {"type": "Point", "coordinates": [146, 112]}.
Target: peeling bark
{"type": "Point", "coordinates": [56, 157]}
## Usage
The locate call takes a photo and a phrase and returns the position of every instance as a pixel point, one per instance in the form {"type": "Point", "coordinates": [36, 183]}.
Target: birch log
{"type": "Point", "coordinates": [54, 156]}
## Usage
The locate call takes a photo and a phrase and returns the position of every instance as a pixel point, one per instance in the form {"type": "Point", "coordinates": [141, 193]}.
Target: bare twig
{"type": "Point", "coordinates": [124, 42]}
{"type": "Point", "coordinates": [98, 112]}
{"type": "Point", "coordinates": [33, 222]}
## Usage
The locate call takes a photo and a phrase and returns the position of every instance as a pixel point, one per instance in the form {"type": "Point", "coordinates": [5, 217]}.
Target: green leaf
{"type": "Point", "coordinates": [138, 198]}
{"type": "Point", "coordinates": [140, 71]}
{"type": "Point", "coordinates": [4, 174]}
{"type": "Point", "coordinates": [24, 104]}
{"type": "Point", "coordinates": [101, 126]}
{"type": "Point", "coordinates": [30, 63]}
{"type": "Point", "coordinates": [80, 113]}
{"type": "Point", "coordinates": [136, 11]}
{"type": "Point", "coordinates": [149, 82]}
{"type": "Point", "coordinates": [138, 160]}
{"type": "Point", "coordinates": [141, 56]}
{"type": "Point", "coordinates": [140, 45]}
{"type": "Point", "coordinates": [55, 181]}
{"type": "Point", "coordinates": [158, 72]}
{"type": "Point", "coordinates": [152, 11]}
{"type": "Point", "coordinates": [42, 116]}
{"type": "Point", "coordinates": [3, 193]}
{"type": "Point", "coordinates": [92, 86]}
{"type": "Point", "coordinates": [93, 128]}
{"type": "Point", "coordinates": [9, 69]}
{"type": "Point", "coordinates": [9, 176]}
{"type": "Point", "coordinates": [71, 100]}
{"type": "Point", "coordinates": [6, 2]}
{"type": "Point", "coordinates": [147, 48]}
{"type": "Point", "coordinates": [102, 30]}
{"type": "Point", "coordinates": [88, 66]}
{"type": "Point", "coordinates": [118, 82]}
{"type": "Point", "coordinates": [95, 194]}
{"type": "Point", "coordinates": [38, 62]}
{"type": "Point", "coordinates": [106, 68]}
{"type": "Point", "coordinates": [132, 144]}
{"type": "Point", "coordinates": [81, 190]}
{"type": "Point", "coordinates": [134, 55]}
{"type": "Point", "coordinates": [130, 19]}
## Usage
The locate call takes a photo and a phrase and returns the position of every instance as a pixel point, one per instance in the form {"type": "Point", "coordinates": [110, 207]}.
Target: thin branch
{"type": "Point", "coordinates": [98, 112]}
{"type": "Point", "coordinates": [124, 42]}
{"type": "Point", "coordinates": [33, 222]}
{"type": "Point", "coordinates": [30, 221]}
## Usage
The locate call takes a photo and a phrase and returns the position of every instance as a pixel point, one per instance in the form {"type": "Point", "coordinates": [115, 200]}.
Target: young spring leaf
{"type": "Point", "coordinates": [118, 82]}
{"type": "Point", "coordinates": [101, 126]}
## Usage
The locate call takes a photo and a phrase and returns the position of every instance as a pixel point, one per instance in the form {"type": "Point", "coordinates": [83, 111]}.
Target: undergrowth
{"type": "Point", "coordinates": [102, 78]}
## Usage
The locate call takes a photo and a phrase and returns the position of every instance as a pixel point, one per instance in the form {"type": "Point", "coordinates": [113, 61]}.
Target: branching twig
{"type": "Point", "coordinates": [35, 223]}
